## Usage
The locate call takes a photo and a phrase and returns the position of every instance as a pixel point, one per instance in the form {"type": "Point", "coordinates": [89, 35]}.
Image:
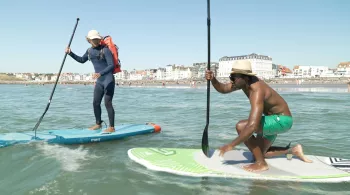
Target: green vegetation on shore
{"type": "Point", "coordinates": [5, 77]}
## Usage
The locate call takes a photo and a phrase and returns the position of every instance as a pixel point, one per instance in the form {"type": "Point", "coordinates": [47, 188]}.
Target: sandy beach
{"type": "Point", "coordinates": [279, 81]}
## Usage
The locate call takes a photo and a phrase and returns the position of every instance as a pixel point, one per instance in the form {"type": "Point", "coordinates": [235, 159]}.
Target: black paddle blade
{"type": "Point", "coordinates": [205, 142]}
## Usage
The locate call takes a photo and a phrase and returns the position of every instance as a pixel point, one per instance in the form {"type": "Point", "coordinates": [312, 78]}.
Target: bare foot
{"type": "Point", "coordinates": [256, 167]}
{"type": "Point", "coordinates": [95, 127]}
{"type": "Point", "coordinates": [298, 151]}
{"type": "Point", "coordinates": [109, 130]}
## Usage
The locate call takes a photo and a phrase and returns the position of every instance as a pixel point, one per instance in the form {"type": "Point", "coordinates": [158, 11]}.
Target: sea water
{"type": "Point", "coordinates": [321, 125]}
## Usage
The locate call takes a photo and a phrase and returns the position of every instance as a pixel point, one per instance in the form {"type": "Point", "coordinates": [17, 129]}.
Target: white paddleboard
{"type": "Point", "coordinates": [192, 162]}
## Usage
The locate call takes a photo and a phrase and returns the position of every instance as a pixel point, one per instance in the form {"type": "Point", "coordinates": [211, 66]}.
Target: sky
{"type": "Point", "coordinates": [155, 33]}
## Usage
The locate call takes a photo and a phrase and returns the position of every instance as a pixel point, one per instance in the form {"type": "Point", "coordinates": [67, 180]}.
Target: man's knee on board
{"type": "Point", "coordinates": [241, 125]}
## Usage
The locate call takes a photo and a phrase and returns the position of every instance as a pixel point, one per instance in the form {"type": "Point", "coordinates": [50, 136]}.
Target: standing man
{"type": "Point", "coordinates": [102, 60]}
{"type": "Point", "coordinates": [269, 116]}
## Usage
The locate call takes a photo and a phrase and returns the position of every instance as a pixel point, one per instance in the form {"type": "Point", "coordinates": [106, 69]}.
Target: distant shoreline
{"type": "Point", "coordinates": [279, 81]}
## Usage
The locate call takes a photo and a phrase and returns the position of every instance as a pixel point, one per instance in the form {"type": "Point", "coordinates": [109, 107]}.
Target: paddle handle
{"type": "Point", "coordinates": [64, 59]}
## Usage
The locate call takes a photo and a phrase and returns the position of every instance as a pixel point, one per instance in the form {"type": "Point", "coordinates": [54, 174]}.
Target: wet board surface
{"type": "Point", "coordinates": [75, 136]}
{"type": "Point", "coordinates": [193, 163]}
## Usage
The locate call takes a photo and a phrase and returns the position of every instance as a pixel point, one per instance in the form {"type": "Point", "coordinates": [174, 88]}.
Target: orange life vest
{"type": "Point", "coordinates": [107, 41]}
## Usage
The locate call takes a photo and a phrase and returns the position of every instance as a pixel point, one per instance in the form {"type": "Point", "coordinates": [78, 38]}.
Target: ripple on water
{"type": "Point", "coordinates": [320, 125]}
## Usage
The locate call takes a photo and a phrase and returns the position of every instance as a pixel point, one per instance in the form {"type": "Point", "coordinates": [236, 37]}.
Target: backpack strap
{"type": "Point", "coordinates": [89, 54]}
{"type": "Point", "coordinates": [101, 53]}
{"type": "Point", "coordinates": [103, 46]}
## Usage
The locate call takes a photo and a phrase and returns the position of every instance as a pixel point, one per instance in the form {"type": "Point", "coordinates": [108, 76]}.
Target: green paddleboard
{"type": "Point", "coordinates": [193, 163]}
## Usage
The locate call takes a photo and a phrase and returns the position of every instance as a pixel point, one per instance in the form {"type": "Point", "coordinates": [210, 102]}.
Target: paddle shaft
{"type": "Point", "coordinates": [58, 76]}
{"type": "Point", "coordinates": [205, 141]}
{"type": "Point", "coordinates": [208, 82]}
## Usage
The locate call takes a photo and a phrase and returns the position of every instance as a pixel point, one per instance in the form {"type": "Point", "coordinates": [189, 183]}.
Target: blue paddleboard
{"type": "Point", "coordinates": [77, 136]}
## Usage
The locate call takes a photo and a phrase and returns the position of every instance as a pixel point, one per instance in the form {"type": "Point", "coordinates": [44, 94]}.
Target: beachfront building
{"type": "Point", "coordinates": [151, 74]}
{"type": "Point", "coordinates": [343, 69]}
{"type": "Point", "coordinates": [160, 75]}
{"type": "Point", "coordinates": [309, 71]}
{"type": "Point", "coordinates": [54, 77]}
{"type": "Point", "coordinates": [169, 71]}
{"type": "Point", "coordinates": [284, 71]}
{"type": "Point", "coordinates": [78, 77]}
{"type": "Point", "coordinates": [137, 75]}
{"type": "Point", "coordinates": [261, 65]}
{"type": "Point", "coordinates": [182, 72]}
{"type": "Point", "coordinates": [123, 75]}
{"type": "Point", "coordinates": [275, 70]}
{"type": "Point", "coordinates": [43, 77]}
{"type": "Point", "coordinates": [46, 77]}
{"type": "Point", "coordinates": [329, 73]}
{"type": "Point", "coordinates": [88, 77]}
{"type": "Point", "coordinates": [198, 70]}
{"type": "Point", "coordinates": [177, 72]}
{"type": "Point", "coordinates": [195, 70]}
{"type": "Point", "coordinates": [67, 76]}
{"type": "Point", "coordinates": [27, 76]}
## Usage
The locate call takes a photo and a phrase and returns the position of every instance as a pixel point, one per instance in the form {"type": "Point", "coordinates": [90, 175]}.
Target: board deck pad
{"type": "Point", "coordinates": [192, 162]}
{"type": "Point", "coordinates": [76, 136]}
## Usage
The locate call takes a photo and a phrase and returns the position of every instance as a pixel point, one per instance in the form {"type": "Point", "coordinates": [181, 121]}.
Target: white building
{"type": "Point", "coordinates": [261, 65]}
{"type": "Point", "coordinates": [78, 77]}
{"type": "Point", "coordinates": [173, 72]}
{"type": "Point", "coordinates": [275, 69]}
{"type": "Point", "coordinates": [198, 70]}
{"type": "Point", "coordinates": [46, 78]}
{"type": "Point", "coordinates": [310, 71]}
{"type": "Point", "coordinates": [343, 68]}
{"type": "Point", "coordinates": [160, 74]}
{"type": "Point", "coordinates": [21, 75]}
{"type": "Point", "coordinates": [54, 77]}
{"type": "Point", "coordinates": [67, 77]}
{"type": "Point", "coordinates": [169, 72]}
{"type": "Point", "coordinates": [88, 77]}
{"type": "Point", "coordinates": [123, 75]}
{"type": "Point", "coordinates": [181, 72]}
{"type": "Point", "coordinates": [151, 74]}
{"type": "Point", "coordinates": [137, 75]}
{"type": "Point", "coordinates": [329, 73]}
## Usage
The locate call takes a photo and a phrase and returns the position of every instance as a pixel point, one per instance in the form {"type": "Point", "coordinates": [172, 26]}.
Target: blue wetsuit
{"type": "Point", "coordinates": [105, 84]}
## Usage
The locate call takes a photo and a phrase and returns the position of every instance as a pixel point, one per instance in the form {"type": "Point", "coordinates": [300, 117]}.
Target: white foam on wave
{"type": "Point", "coordinates": [53, 187]}
{"type": "Point", "coordinates": [49, 188]}
{"type": "Point", "coordinates": [70, 159]}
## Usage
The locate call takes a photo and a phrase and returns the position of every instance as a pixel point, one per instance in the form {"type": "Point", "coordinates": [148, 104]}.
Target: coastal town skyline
{"type": "Point", "coordinates": [261, 65]}
{"type": "Point", "coordinates": [129, 69]}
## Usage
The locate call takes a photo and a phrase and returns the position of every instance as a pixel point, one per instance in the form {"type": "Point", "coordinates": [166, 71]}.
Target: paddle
{"type": "Point", "coordinates": [205, 142]}
{"type": "Point", "coordinates": [58, 76]}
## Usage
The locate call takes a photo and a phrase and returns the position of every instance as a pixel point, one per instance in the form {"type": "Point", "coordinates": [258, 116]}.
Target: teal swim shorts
{"type": "Point", "coordinates": [275, 124]}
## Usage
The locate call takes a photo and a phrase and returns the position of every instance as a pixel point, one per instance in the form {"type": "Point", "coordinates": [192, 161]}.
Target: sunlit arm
{"type": "Point", "coordinates": [257, 105]}
{"type": "Point", "coordinates": [79, 59]}
{"type": "Point", "coordinates": [221, 87]}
